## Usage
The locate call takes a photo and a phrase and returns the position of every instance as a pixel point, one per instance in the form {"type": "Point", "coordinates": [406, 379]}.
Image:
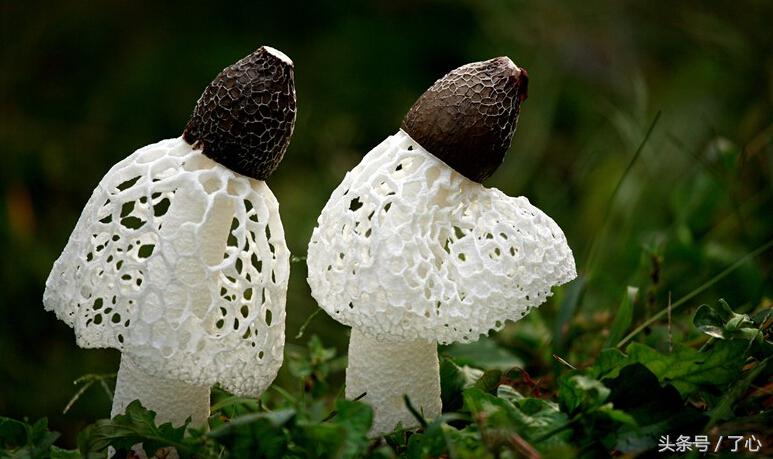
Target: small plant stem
{"type": "Point", "coordinates": [670, 336]}
{"type": "Point", "coordinates": [286, 395]}
{"type": "Point", "coordinates": [77, 396]}
{"type": "Point", "coordinates": [88, 380]}
{"type": "Point", "coordinates": [558, 358]}
{"type": "Point", "coordinates": [107, 389]}
{"type": "Point", "coordinates": [519, 444]}
{"type": "Point", "coordinates": [419, 417]}
{"type": "Point", "coordinates": [334, 413]}
{"type": "Point", "coordinates": [233, 401]}
{"type": "Point", "coordinates": [306, 322]}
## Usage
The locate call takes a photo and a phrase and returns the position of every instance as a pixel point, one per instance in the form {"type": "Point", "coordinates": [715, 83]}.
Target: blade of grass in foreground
{"type": "Point", "coordinates": [759, 250]}
{"type": "Point", "coordinates": [590, 256]}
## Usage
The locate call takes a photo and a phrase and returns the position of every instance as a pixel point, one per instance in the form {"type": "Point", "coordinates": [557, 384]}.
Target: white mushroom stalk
{"type": "Point", "coordinates": [179, 259]}
{"type": "Point", "coordinates": [410, 252]}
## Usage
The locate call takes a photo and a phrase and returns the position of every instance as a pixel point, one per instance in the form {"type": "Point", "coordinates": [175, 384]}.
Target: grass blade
{"type": "Point", "coordinates": [590, 256]}
{"type": "Point", "coordinates": [306, 323]}
{"type": "Point", "coordinates": [623, 318]}
{"type": "Point", "coordinates": [759, 250]}
{"type": "Point", "coordinates": [566, 311]}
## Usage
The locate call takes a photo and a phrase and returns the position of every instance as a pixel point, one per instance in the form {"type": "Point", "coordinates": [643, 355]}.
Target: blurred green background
{"type": "Point", "coordinates": [83, 84]}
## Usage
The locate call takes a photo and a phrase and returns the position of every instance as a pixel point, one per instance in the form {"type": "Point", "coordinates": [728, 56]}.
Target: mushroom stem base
{"type": "Point", "coordinates": [173, 401]}
{"type": "Point", "coordinates": [387, 371]}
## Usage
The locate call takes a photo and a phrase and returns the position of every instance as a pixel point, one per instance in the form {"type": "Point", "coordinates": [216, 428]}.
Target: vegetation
{"type": "Point", "coordinates": [647, 136]}
{"type": "Point", "coordinates": [624, 403]}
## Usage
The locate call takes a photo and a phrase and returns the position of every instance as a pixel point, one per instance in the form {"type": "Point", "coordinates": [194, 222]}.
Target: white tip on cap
{"type": "Point", "coordinates": [282, 56]}
{"type": "Point", "coordinates": [509, 62]}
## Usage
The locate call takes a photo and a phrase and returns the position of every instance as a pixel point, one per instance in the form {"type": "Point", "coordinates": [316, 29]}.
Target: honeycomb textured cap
{"type": "Point", "coordinates": [245, 118]}
{"type": "Point", "coordinates": [181, 264]}
{"type": "Point", "coordinates": [408, 248]}
{"type": "Point", "coordinates": [468, 117]}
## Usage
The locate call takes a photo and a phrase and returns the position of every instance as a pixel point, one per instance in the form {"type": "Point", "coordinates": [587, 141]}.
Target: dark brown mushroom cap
{"type": "Point", "coordinates": [245, 117]}
{"type": "Point", "coordinates": [468, 117]}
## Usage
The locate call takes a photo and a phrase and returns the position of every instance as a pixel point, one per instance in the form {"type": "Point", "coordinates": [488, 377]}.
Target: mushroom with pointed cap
{"type": "Point", "coordinates": [412, 250]}
{"type": "Point", "coordinates": [179, 259]}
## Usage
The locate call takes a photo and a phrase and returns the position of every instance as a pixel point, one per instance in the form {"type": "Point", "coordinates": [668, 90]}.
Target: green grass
{"type": "Point", "coordinates": [622, 404]}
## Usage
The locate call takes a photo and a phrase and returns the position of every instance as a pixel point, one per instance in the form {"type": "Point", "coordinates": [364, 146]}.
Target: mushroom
{"type": "Point", "coordinates": [411, 250]}
{"type": "Point", "coordinates": [179, 259]}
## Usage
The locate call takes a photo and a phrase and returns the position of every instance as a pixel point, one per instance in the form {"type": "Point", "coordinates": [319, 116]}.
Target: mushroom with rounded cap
{"type": "Point", "coordinates": [412, 250]}
{"type": "Point", "coordinates": [179, 259]}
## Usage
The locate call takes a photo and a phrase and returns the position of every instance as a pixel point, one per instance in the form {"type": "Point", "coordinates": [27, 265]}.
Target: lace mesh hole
{"type": "Point", "coordinates": [355, 204]}
{"type": "Point", "coordinates": [161, 208]}
{"type": "Point", "coordinates": [127, 208]}
{"type": "Point", "coordinates": [132, 223]}
{"type": "Point", "coordinates": [128, 183]}
{"type": "Point", "coordinates": [145, 251]}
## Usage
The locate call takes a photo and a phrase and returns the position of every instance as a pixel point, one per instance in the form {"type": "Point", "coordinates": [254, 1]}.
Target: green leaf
{"type": "Point", "coordinates": [454, 379]}
{"type": "Point", "coordinates": [234, 400]}
{"type": "Point", "coordinates": [724, 409]}
{"type": "Point", "coordinates": [689, 370]}
{"type": "Point", "coordinates": [255, 434]}
{"type": "Point", "coordinates": [508, 393]}
{"type": "Point", "coordinates": [430, 443]}
{"type": "Point", "coordinates": [618, 416]}
{"type": "Point", "coordinates": [314, 364]}
{"type": "Point", "coordinates": [26, 441]}
{"type": "Point", "coordinates": [540, 417]}
{"type": "Point", "coordinates": [623, 318]}
{"type": "Point", "coordinates": [13, 433]}
{"type": "Point", "coordinates": [442, 440]}
{"type": "Point", "coordinates": [709, 322]}
{"type": "Point", "coordinates": [655, 409]}
{"type": "Point", "coordinates": [531, 418]}
{"type": "Point", "coordinates": [465, 443]}
{"type": "Point", "coordinates": [609, 360]}
{"type": "Point", "coordinates": [580, 393]}
{"type": "Point", "coordinates": [720, 321]}
{"type": "Point", "coordinates": [381, 452]}
{"type": "Point", "coordinates": [318, 353]}
{"type": "Point", "coordinates": [59, 453]}
{"type": "Point", "coordinates": [484, 354]}
{"type": "Point", "coordinates": [686, 368]}
{"type": "Point", "coordinates": [344, 436]}
{"type": "Point", "coordinates": [357, 417]}
{"type": "Point", "coordinates": [137, 425]}
{"type": "Point", "coordinates": [489, 381]}
{"type": "Point", "coordinates": [452, 382]}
